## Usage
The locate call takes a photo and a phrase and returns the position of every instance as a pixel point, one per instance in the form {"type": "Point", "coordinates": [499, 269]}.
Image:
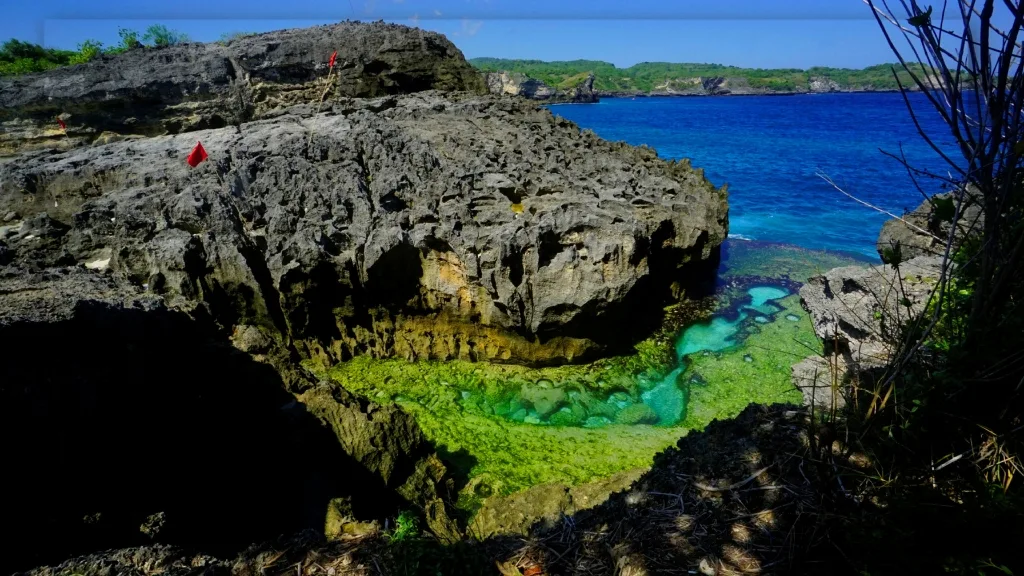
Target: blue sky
{"type": "Point", "coordinates": [755, 33]}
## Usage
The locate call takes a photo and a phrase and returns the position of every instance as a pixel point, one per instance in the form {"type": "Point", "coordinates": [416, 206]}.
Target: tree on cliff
{"type": "Point", "coordinates": [972, 75]}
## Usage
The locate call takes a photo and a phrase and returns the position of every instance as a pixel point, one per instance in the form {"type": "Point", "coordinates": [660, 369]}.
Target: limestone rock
{"type": "Point", "coordinates": [251, 339]}
{"type": "Point", "coordinates": [819, 84]}
{"type": "Point", "coordinates": [858, 312]}
{"type": "Point", "coordinates": [860, 307]}
{"type": "Point", "coordinates": [392, 234]}
{"type": "Point", "coordinates": [174, 89]}
{"type": "Point", "coordinates": [519, 84]}
{"type": "Point", "coordinates": [925, 231]}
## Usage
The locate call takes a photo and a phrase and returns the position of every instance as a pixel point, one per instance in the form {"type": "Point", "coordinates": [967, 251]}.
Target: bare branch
{"type": "Point", "coordinates": [831, 182]}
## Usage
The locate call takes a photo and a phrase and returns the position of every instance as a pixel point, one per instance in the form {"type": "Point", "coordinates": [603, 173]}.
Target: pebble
{"type": "Point", "coordinates": [707, 567]}
{"type": "Point", "coordinates": [10, 216]}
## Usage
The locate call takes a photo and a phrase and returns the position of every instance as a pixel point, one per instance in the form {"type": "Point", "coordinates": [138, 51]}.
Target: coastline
{"type": "Point", "coordinates": [727, 94]}
{"type": "Point", "coordinates": [625, 95]}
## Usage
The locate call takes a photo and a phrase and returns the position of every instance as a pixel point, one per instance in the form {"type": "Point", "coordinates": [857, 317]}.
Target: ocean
{"type": "Point", "coordinates": [769, 149]}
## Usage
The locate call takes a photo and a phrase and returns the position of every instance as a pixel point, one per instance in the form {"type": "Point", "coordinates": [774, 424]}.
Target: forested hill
{"type": "Point", "coordinates": [656, 77]}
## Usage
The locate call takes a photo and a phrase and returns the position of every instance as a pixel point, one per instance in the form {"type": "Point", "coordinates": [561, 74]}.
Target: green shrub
{"type": "Point", "coordinates": [160, 35]}
{"type": "Point", "coordinates": [87, 51]}
{"type": "Point", "coordinates": [18, 57]}
{"type": "Point", "coordinates": [129, 41]}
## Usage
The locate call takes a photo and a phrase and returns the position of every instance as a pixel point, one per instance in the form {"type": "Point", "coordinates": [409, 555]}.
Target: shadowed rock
{"type": "Point", "coordinates": [129, 423]}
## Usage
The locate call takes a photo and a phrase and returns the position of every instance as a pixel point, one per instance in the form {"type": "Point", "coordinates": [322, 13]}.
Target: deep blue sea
{"type": "Point", "coordinates": [769, 149]}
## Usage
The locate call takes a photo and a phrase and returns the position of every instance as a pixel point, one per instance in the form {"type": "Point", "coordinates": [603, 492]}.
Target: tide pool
{"type": "Point", "coordinates": [508, 428]}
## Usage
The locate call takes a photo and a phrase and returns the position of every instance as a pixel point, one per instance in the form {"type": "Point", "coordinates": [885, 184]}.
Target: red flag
{"type": "Point", "coordinates": [197, 155]}
{"type": "Point", "coordinates": [63, 126]}
{"type": "Point", "coordinates": [334, 56]}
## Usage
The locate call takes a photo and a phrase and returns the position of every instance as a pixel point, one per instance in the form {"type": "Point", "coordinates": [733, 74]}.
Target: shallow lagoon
{"type": "Point", "coordinates": [508, 428]}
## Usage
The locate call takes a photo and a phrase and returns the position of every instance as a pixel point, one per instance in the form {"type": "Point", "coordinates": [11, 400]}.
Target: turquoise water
{"type": "Point", "coordinates": [657, 401]}
{"type": "Point", "coordinates": [770, 148]}
{"type": "Point", "coordinates": [761, 295]}
{"type": "Point", "coordinates": [712, 336]}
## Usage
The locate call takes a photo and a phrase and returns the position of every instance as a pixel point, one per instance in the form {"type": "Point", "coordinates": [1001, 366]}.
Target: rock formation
{"type": "Point", "coordinates": [823, 84]}
{"type": "Point", "coordinates": [414, 217]}
{"type": "Point", "coordinates": [518, 84]}
{"type": "Point", "coordinates": [422, 227]}
{"type": "Point", "coordinates": [858, 311]}
{"type": "Point", "coordinates": [925, 231]}
{"type": "Point", "coordinates": [174, 89]}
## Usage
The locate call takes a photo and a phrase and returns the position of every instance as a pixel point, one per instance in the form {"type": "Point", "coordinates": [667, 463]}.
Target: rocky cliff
{"type": "Point", "coordinates": [413, 217]}
{"type": "Point", "coordinates": [728, 86]}
{"type": "Point", "coordinates": [174, 89]}
{"type": "Point", "coordinates": [518, 84]}
{"type": "Point", "coordinates": [422, 226]}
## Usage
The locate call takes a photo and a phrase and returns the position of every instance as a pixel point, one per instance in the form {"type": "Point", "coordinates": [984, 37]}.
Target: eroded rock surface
{"type": "Point", "coordinates": [859, 311]}
{"type": "Point", "coordinates": [422, 226]}
{"type": "Point", "coordinates": [174, 89]}
{"type": "Point", "coordinates": [925, 231]}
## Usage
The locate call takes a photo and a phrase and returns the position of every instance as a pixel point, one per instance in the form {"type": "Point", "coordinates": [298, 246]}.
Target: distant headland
{"type": "Point", "coordinates": [562, 80]}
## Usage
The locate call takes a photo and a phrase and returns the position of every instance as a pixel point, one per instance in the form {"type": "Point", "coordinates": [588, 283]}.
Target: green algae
{"type": "Point", "coordinates": [503, 454]}
{"type": "Point", "coordinates": [508, 428]}
{"type": "Point", "coordinates": [725, 383]}
{"type": "Point", "coordinates": [718, 334]}
{"type": "Point", "coordinates": [762, 295]}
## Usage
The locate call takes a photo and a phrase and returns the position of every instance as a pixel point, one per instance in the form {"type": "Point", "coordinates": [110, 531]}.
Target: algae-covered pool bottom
{"type": "Point", "coordinates": [509, 428]}
{"type": "Point", "coordinates": [657, 396]}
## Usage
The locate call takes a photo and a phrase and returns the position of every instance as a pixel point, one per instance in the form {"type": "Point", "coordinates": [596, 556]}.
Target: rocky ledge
{"type": "Point", "coordinates": [173, 89]}
{"type": "Point", "coordinates": [158, 313]}
{"type": "Point", "coordinates": [859, 311]}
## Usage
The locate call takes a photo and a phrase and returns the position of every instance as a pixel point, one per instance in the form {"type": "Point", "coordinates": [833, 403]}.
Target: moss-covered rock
{"type": "Point", "coordinates": [544, 400]}
{"type": "Point", "coordinates": [637, 414]}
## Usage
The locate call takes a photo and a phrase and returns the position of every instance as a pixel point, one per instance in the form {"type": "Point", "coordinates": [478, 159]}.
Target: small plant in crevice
{"type": "Point", "coordinates": [406, 528]}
